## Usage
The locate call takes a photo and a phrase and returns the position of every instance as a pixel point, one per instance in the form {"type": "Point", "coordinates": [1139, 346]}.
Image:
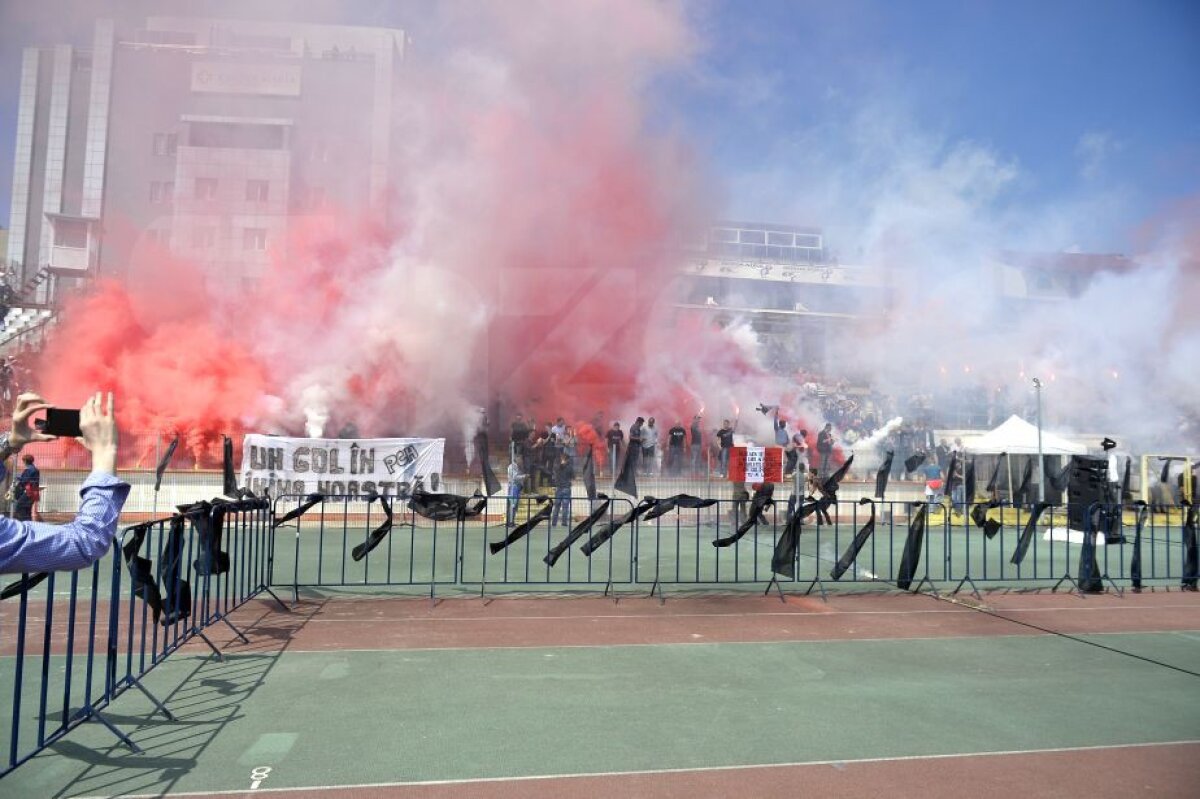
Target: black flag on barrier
{"type": "Point", "coordinates": [1141, 511]}
{"type": "Point", "coordinates": [610, 529]}
{"type": "Point", "coordinates": [1023, 488]}
{"type": "Point", "coordinates": [912, 547]}
{"type": "Point", "coordinates": [1191, 557]}
{"type": "Point", "coordinates": [626, 481]}
{"type": "Point", "coordinates": [164, 462]}
{"type": "Point", "coordinates": [445, 507]}
{"type": "Point", "coordinates": [230, 488]}
{"type": "Point", "coordinates": [860, 540]}
{"type": "Point", "coordinates": [664, 506]}
{"type": "Point", "coordinates": [969, 482]}
{"type": "Point", "coordinates": [1027, 534]}
{"type": "Point", "coordinates": [578, 531]}
{"type": "Point", "coordinates": [379, 533]}
{"type": "Point", "coordinates": [589, 475]}
{"type": "Point", "coordinates": [176, 591]}
{"type": "Point", "coordinates": [522, 529]}
{"type": "Point", "coordinates": [881, 476]}
{"type": "Point", "coordinates": [140, 575]}
{"type": "Point", "coordinates": [979, 515]}
{"type": "Point", "coordinates": [913, 461]}
{"type": "Point", "coordinates": [1126, 493]}
{"type": "Point", "coordinates": [1060, 480]}
{"type": "Point", "coordinates": [763, 499]}
{"type": "Point", "coordinates": [310, 502]}
{"type": "Point", "coordinates": [991, 486]}
{"type": "Point", "coordinates": [491, 483]}
{"type": "Point", "coordinates": [18, 587]}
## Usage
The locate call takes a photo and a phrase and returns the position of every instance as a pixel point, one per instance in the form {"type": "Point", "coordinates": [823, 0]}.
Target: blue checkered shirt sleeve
{"type": "Point", "coordinates": [40, 547]}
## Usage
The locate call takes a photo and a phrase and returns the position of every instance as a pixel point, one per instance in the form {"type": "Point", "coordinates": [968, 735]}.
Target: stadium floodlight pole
{"type": "Point", "coordinates": [1037, 387]}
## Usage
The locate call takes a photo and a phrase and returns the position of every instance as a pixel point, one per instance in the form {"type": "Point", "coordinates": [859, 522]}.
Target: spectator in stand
{"type": "Point", "coordinates": [564, 475]}
{"type": "Point", "coordinates": [725, 442]}
{"type": "Point", "coordinates": [649, 446]}
{"type": "Point", "coordinates": [520, 435]}
{"type": "Point", "coordinates": [676, 438]}
{"type": "Point", "coordinates": [515, 481]}
{"type": "Point", "coordinates": [614, 438]}
{"type": "Point", "coordinates": [28, 546]}
{"type": "Point", "coordinates": [697, 442]}
{"type": "Point", "coordinates": [634, 450]}
{"type": "Point", "coordinates": [26, 491]}
{"type": "Point", "coordinates": [825, 450]}
{"type": "Point", "coordinates": [800, 448]}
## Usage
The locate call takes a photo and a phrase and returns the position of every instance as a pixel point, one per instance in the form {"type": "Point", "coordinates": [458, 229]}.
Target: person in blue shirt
{"type": "Point", "coordinates": [27, 546]}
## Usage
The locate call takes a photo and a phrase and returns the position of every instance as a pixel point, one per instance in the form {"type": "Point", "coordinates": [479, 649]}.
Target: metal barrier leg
{"type": "Point", "coordinates": [211, 645]}
{"type": "Point", "coordinates": [817, 583]}
{"type": "Point", "coordinates": [283, 605]}
{"type": "Point", "coordinates": [236, 631]}
{"type": "Point", "coordinates": [924, 580]}
{"type": "Point", "coordinates": [611, 590]}
{"type": "Point", "coordinates": [153, 699]}
{"type": "Point", "coordinates": [1067, 578]}
{"type": "Point", "coordinates": [657, 587]}
{"type": "Point", "coordinates": [778, 587]}
{"type": "Point", "coordinates": [95, 715]}
{"type": "Point", "coordinates": [964, 581]}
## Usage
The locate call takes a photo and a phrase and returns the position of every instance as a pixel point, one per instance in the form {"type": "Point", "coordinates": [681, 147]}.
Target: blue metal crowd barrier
{"type": "Point", "coordinates": [164, 583]}
{"type": "Point", "coordinates": [957, 547]}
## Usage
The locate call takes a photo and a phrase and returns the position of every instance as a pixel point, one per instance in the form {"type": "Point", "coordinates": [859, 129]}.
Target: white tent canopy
{"type": "Point", "coordinates": [1018, 437]}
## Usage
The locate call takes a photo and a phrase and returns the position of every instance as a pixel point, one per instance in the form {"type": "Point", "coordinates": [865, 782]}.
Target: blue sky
{"type": "Point", "coordinates": [1087, 112]}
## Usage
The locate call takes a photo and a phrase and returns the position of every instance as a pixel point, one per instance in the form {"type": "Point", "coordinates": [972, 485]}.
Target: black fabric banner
{"type": "Point", "coordinates": [951, 479]}
{"type": "Point", "coordinates": [589, 475]}
{"type": "Point", "coordinates": [1191, 557]}
{"type": "Point", "coordinates": [1141, 511]}
{"type": "Point", "coordinates": [626, 481]}
{"type": "Point", "coordinates": [445, 507]}
{"type": "Point", "coordinates": [991, 486]}
{"type": "Point", "coordinates": [377, 535]}
{"type": "Point", "coordinates": [830, 486]}
{"type": "Point", "coordinates": [577, 532]}
{"type": "Point", "coordinates": [912, 547]}
{"type": "Point", "coordinates": [176, 591]}
{"type": "Point", "coordinates": [664, 506]}
{"type": "Point", "coordinates": [969, 482]}
{"type": "Point", "coordinates": [491, 483]}
{"type": "Point", "coordinates": [208, 522]}
{"type": "Point", "coordinates": [310, 502]}
{"type": "Point", "coordinates": [881, 476]}
{"type": "Point", "coordinates": [140, 575]}
{"type": "Point", "coordinates": [18, 587]}
{"type": "Point", "coordinates": [164, 462]}
{"type": "Point", "coordinates": [1126, 493]}
{"type": "Point", "coordinates": [231, 486]}
{"type": "Point", "coordinates": [1027, 534]}
{"type": "Point", "coordinates": [763, 499]}
{"type": "Point", "coordinates": [860, 540]}
{"type": "Point", "coordinates": [1019, 497]}
{"type": "Point", "coordinates": [522, 529]}
{"type": "Point", "coordinates": [783, 560]}
{"type": "Point", "coordinates": [602, 535]}
{"type": "Point", "coordinates": [913, 461]}
{"type": "Point", "coordinates": [979, 515]}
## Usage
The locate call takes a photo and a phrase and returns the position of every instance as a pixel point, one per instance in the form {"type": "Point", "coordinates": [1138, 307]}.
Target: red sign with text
{"type": "Point", "coordinates": [756, 464]}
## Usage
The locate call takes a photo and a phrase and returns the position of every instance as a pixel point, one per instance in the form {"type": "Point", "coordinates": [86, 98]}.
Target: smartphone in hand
{"type": "Point", "coordinates": [60, 422]}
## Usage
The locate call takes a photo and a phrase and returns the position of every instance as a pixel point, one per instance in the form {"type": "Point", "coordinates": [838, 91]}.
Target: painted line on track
{"type": "Point", "coordinates": [653, 772]}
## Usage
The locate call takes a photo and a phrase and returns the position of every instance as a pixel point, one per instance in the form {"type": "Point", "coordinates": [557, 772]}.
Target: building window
{"type": "Point", "coordinates": [206, 188]}
{"type": "Point", "coordinates": [754, 237]}
{"type": "Point", "coordinates": [257, 191]}
{"type": "Point", "coordinates": [69, 233]}
{"type": "Point", "coordinates": [254, 238]}
{"type": "Point", "coordinates": [203, 238]}
{"type": "Point", "coordinates": [779, 239]}
{"type": "Point", "coordinates": [162, 192]}
{"type": "Point", "coordinates": [165, 143]}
